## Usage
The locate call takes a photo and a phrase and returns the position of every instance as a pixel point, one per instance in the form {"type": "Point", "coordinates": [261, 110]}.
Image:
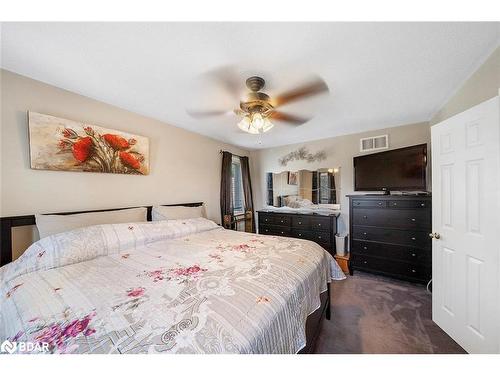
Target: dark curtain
{"type": "Point", "coordinates": [226, 203]}
{"type": "Point", "coordinates": [247, 188]}
{"type": "Point", "coordinates": [333, 192]}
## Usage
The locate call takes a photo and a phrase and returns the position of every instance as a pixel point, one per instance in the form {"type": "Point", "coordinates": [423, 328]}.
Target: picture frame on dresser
{"type": "Point", "coordinates": [389, 235]}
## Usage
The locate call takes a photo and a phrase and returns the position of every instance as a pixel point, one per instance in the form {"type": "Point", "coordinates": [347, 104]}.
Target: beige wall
{"type": "Point", "coordinates": [481, 86]}
{"type": "Point", "coordinates": [185, 167]}
{"type": "Point", "coordinates": [340, 151]}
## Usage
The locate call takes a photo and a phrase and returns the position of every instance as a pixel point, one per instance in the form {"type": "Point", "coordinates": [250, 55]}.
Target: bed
{"type": "Point", "coordinates": [172, 286]}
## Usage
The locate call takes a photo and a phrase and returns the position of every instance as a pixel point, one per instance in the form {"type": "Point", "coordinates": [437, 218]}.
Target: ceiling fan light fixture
{"type": "Point", "coordinates": [255, 123]}
{"type": "Point", "coordinates": [246, 125]}
{"type": "Point", "coordinates": [268, 125]}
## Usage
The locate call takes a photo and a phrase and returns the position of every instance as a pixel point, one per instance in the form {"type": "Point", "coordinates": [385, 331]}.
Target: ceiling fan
{"type": "Point", "coordinates": [257, 109]}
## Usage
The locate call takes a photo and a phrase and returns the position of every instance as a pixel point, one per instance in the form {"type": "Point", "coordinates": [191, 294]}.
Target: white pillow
{"type": "Point", "coordinates": [52, 224]}
{"type": "Point", "coordinates": [176, 212]}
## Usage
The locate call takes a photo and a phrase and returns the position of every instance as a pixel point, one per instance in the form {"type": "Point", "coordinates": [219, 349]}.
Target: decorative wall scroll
{"type": "Point", "coordinates": [302, 154]}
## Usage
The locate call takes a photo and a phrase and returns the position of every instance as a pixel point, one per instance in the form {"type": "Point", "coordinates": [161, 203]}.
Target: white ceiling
{"type": "Point", "coordinates": [379, 74]}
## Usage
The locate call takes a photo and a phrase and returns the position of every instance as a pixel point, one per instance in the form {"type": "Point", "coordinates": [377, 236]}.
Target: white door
{"type": "Point", "coordinates": [465, 217]}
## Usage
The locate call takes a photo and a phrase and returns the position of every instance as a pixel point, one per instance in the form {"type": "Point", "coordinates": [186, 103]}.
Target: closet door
{"type": "Point", "coordinates": [466, 241]}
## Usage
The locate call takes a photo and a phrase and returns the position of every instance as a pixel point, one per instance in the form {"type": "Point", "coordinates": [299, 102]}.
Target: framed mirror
{"type": "Point", "coordinates": [304, 188]}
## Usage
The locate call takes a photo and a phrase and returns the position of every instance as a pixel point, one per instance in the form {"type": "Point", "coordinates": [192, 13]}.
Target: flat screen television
{"type": "Point", "coordinates": [403, 169]}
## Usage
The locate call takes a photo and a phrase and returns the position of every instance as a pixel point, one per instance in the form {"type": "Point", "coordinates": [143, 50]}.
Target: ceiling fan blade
{"type": "Point", "coordinates": [312, 88]}
{"type": "Point", "coordinates": [199, 114]}
{"type": "Point", "coordinates": [295, 120]}
{"type": "Point", "coordinates": [229, 78]}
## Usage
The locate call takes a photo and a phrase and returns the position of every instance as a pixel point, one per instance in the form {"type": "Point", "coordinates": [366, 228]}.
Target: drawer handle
{"type": "Point", "coordinates": [365, 262]}
{"type": "Point", "coordinates": [413, 271]}
{"type": "Point", "coordinates": [380, 203]}
{"type": "Point", "coordinates": [394, 204]}
{"type": "Point", "coordinates": [319, 224]}
{"type": "Point", "coordinates": [281, 221]}
{"type": "Point", "coordinates": [357, 203]}
{"type": "Point", "coordinates": [265, 219]}
{"type": "Point", "coordinates": [413, 254]}
{"type": "Point", "coordinates": [422, 204]}
{"type": "Point", "coordinates": [300, 234]}
{"type": "Point", "coordinates": [412, 219]}
{"type": "Point", "coordinates": [300, 222]}
{"type": "Point", "coordinates": [413, 239]}
{"type": "Point", "coordinates": [364, 233]}
{"type": "Point", "coordinates": [365, 217]}
{"type": "Point", "coordinates": [365, 248]}
{"type": "Point", "coordinates": [319, 237]}
{"type": "Point", "coordinates": [282, 232]}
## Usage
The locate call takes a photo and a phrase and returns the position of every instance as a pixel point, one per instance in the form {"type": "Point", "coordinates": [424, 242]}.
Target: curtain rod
{"type": "Point", "coordinates": [221, 151]}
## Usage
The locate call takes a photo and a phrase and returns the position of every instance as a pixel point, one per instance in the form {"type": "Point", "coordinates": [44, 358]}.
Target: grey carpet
{"type": "Point", "coordinates": [374, 314]}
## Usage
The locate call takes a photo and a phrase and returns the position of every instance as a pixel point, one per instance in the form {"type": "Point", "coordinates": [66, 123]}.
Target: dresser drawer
{"type": "Point", "coordinates": [316, 236]}
{"type": "Point", "coordinates": [402, 218]}
{"type": "Point", "coordinates": [265, 218]}
{"type": "Point", "coordinates": [282, 232]}
{"type": "Point", "coordinates": [282, 220]}
{"type": "Point", "coordinates": [391, 267]}
{"type": "Point", "coordinates": [394, 236]}
{"type": "Point", "coordinates": [321, 238]}
{"type": "Point", "coordinates": [303, 234]}
{"type": "Point", "coordinates": [265, 229]}
{"type": "Point", "coordinates": [320, 223]}
{"type": "Point", "coordinates": [301, 222]}
{"type": "Point", "coordinates": [394, 252]}
{"type": "Point", "coordinates": [274, 219]}
{"type": "Point", "coordinates": [409, 204]}
{"type": "Point", "coordinates": [274, 230]}
{"type": "Point", "coordinates": [369, 203]}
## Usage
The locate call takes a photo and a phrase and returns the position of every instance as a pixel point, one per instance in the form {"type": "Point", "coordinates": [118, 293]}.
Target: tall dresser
{"type": "Point", "coordinates": [389, 235]}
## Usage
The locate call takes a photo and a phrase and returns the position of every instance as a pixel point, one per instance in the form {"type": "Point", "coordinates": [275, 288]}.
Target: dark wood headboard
{"type": "Point", "coordinates": [7, 223]}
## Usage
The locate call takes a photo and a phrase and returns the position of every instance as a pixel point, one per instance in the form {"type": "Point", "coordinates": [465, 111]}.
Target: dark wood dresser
{"type": "Point", "coordinates": [389, 235]}
{"type": "Point", "coordinates": [315, 227]}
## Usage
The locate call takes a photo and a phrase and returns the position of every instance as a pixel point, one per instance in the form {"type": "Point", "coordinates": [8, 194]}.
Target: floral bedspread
{"type": "Point", "coordinates": [176, 286]}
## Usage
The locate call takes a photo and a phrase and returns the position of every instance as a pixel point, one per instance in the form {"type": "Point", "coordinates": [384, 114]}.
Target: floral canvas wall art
{"type": "Point", "coordinates": [65, 145]}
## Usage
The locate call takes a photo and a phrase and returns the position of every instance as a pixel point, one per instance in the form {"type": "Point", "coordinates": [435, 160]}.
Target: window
{"type": "Point", "coordinates": [237, 195]}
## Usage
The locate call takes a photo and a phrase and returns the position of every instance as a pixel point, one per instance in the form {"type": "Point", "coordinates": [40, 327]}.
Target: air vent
{"type": "Point", "coordinates": [380, 142]}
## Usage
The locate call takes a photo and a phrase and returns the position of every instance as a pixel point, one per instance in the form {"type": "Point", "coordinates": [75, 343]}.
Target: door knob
{"type": "Point", "coordinates": [436, 236]}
